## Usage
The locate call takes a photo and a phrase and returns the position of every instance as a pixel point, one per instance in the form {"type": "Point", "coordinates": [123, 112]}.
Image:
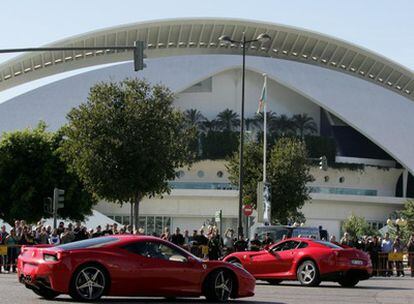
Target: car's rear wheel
{"type": "Point", "coordinates": [89, 283]}
{"type": "Point", "coordinates": [48, 294]}
{"type": "Point", "coordinates": [348, 281]}
{"type": "Point", "coordinates": [308, 274]}
{"type": "Point", "coordinates": [274, 281]}
{"type": "Point", "coordinates": [219, 286]}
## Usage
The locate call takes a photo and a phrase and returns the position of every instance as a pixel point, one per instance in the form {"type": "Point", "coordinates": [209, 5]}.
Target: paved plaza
{"type": "Point", "coordinates": [377, 290]}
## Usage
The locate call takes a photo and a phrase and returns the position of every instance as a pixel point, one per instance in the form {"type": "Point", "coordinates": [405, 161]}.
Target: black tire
{"type": "Point", "coordinates": [219, 286]}
{"type": "Point", "coordinates": [92, 274]}
{"type": "Point", "coordinates": [274, 281]}
{"type": "Point", "coordinates": [308, 273]}
{"type": "Point", "coordinates": [45, 293]}
{"type": "Point", "coordinates": [348, 281]}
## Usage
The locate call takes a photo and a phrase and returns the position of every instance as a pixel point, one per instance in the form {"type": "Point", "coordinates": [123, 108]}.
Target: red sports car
{"type": "Point", "coordinates": [307, 260]}
{"type": "Point", "coordinates": [128, 266]}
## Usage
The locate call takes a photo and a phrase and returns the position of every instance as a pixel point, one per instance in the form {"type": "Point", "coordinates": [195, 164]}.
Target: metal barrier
{"type": "Point", "coordinates": [386, 264]}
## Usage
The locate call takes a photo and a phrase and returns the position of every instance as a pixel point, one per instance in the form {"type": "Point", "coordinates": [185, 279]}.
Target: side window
{"type": "Point", "coordinates": [288, 245]}
{"type": "Point", "coordinates": [302, 245]}
{"type": "Point", "coordinates": [156, 250]}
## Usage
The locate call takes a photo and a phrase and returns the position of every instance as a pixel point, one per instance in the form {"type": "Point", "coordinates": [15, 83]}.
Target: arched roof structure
{"type": "Point", "coordinates": [200, 36]}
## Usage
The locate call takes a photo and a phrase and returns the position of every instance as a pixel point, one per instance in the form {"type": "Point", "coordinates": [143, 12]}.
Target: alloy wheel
{"type": "Point", "coordinates": [223, 286]}
{"type": "Point", "coordinates": [90, 283]}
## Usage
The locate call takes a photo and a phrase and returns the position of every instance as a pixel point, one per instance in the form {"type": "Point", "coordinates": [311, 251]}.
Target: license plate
{"type": "Point", "coordinates": [357, 262]}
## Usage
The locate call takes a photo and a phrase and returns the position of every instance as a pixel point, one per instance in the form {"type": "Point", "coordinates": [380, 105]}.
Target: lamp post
{"type": "Point", "coordinates": [400, 222]}
{"type": "Point", "coordinates": [243, 43]}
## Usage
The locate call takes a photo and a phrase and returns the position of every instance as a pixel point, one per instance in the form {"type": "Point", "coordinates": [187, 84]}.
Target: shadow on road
{"type": "Point", "coordinates": [334, 286]}
{"type": "Point", "coordinates": [162, 301]}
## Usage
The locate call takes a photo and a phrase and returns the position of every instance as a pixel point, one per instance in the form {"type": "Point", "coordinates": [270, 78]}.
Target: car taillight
{"type": "Point", "coordinates": [50, 257]}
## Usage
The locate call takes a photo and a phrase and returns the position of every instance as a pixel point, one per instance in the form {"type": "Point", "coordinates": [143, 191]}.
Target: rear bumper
{"type": "Point", "coordinates": [43, 275]}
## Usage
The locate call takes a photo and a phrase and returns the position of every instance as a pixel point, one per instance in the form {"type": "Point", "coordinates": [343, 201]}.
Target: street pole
{"type": "Point", "coordinates": [241, 171]}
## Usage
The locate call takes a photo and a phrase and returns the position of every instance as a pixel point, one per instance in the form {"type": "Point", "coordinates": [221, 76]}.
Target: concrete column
{"type": "Point", "coordinates": [405, 182]}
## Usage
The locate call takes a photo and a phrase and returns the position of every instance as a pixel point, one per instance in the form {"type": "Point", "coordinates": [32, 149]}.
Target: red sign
{"type": "Point", "coordinates": [248, 210]}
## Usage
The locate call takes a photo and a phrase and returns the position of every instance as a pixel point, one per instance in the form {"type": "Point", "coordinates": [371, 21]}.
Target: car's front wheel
{"type": "Point", "coordinates": [89, 283]}
{"type": "Point", "coordinates": [308, 274]}
{"type": "Point", "coordinates": [219, 286]}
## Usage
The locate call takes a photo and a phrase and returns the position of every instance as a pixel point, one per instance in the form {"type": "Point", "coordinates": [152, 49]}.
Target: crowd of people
{"type": "Point", "coordinates": [378, 249]}
{"type": "Point", "coordinates": [204, 243]}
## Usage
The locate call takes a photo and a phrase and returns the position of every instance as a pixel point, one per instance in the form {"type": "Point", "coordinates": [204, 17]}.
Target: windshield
{"type": "Point", "coordinates": [90, 243]}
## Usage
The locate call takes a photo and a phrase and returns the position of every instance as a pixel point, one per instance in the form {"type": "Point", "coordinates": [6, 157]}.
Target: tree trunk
{"type": "Point", "coordinates": [137, 200]}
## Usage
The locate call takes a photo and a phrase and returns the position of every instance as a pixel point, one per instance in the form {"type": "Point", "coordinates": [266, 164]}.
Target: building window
{"type": "Point", "coordinates": [154, 224]}
{"type": "Point", "coordinates": [342, 179]}
{"type": "Point", "coordinates": [326, 178]}
{"type": "Point", "coordinates": [200, 173]}
{"type": "Point", "coordinates": [219, 174]}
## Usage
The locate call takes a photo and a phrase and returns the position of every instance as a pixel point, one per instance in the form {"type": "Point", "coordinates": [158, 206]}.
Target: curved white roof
{"type": "Point", "coordinates": [200, 36]}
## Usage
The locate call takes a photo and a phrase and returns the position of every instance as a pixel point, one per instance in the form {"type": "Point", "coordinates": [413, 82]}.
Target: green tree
{"type": "Point", "coordinates": [30, 167]}
{"type": "Point", "coordinates": [281, 126]}
{"type": "Point", "coordinates": [127, 140]}
{"type": "Point", "coordinates": [288, 175]}
{"type": "Point", "coordinates": [228, 120]}
{"type": "Point", "coordinates": [304, 124]}
{"type": "Point", "coordinates": [407, 213]}
{"type": "Point", "coordinates": [287, 172]}
{"type": "Point", "coordinates": [194, 118]}
{"type": "Point", "coordinates": [357, 227]}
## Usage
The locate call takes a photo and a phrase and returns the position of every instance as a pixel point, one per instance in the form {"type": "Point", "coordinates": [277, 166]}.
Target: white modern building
{"type": "Point", "coordinates": [365, 102]}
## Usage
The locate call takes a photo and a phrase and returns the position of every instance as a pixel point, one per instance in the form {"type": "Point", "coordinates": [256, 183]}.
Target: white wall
{"type": "Point", "coordinates": [226, 93]}
{"type": "Point", "coordinates": [371, 178]}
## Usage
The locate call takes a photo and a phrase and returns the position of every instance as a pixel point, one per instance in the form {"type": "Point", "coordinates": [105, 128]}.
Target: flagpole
{"type": "Point", "coordinates": [264, 128]}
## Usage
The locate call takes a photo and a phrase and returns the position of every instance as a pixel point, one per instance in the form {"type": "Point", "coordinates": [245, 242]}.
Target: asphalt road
{"type": "Point", "coordinates": [377, 290]}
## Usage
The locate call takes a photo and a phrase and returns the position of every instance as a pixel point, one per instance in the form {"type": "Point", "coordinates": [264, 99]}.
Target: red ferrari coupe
{"type": "Point", "coordinates": [128, 266]}
{"type": "Point", "coordinates": [307, 260]}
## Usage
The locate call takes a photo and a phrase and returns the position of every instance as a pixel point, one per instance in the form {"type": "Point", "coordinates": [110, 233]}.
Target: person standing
{"type": "Point", "coordinates": [3, 236]}
{"type": "Point", "coordinates": [255, 244]}
{"type": "Point", "coordinates": [177, 238]}
{"type": "Point", "coordinates": [214, 246]}
{"type": "Point", "coordinates": [374, 248]}
{"type": "Point", "coordinates": [398, 247]}
{"type": "Point", "coordinates": [386, 248]}
{"type": "Point", "coordinates": [11, 243]}
{"type": "Point", "coordinates": [54, 238]}
{"type": "Point", "coordinates": [346, 240]}
{"type": "Point", "coordinates": [166, 235]}
{"type": "Point", "coordinates": [228, 241]}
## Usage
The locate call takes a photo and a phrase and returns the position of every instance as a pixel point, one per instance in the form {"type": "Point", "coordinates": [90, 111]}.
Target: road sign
{"type": "Point", "coordinates": [248, 210]}
{"type": "Point", "coordinates": [218, 216]}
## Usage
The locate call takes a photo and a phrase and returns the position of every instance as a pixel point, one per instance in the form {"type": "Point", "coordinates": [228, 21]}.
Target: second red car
{"type": "Point", "coordinates": [307, 260]}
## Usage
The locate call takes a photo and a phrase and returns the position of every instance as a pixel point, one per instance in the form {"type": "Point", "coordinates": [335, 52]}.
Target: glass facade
{"type": "Point", "coordinates": [343, 191]}
{"type": "Point", "coordinates": [151, 224]}
{"type": "Point", "coordinates": [201, 185]}
{"type": "Point", "coordinates": [313, 189]}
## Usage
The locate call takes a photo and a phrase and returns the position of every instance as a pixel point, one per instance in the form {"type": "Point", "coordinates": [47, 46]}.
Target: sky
{"type": "Point", "coordinates": [385, 27]}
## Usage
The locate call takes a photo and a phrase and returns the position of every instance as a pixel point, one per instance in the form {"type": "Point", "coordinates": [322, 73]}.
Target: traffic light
{"type": "Point", "coordinates": [323, 163]}
{"type": "Point", "coordinates": [58, 199]}
{"type": "Point", "coordinates": [139, 55]}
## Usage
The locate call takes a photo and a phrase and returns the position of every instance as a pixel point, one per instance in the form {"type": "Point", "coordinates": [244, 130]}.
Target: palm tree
{"type": "Point", "coordinates": [194, 118]}
{"type": "Point", "coordinates": [270, 119]}
{"type": "Point", "coordinates": [282, 125]}
{"type": "Point", "coordinates": [228, 120]}
{"type": "Point", "coordinates": [304, 124]}
{"type": "Point", "coordinates": [249, 122]}
{"type": "Point", "coordinates": [208, 125]}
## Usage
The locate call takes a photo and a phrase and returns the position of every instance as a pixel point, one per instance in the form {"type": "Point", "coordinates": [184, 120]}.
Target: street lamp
{"type": "Point", "coordinates": [243, 44]}
{"type": "Point", "coordinates": [400, 222]}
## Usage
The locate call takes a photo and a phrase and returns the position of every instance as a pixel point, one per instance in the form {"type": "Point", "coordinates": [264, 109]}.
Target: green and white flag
{"type": "Point", "coordinates": [262, 98]}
